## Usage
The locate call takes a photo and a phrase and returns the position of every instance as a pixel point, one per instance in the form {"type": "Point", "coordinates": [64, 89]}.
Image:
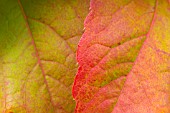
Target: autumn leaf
{"type": "Point", "coordinates": [124, 58]}
{"type": "Point", "coordinates": [38, 41]}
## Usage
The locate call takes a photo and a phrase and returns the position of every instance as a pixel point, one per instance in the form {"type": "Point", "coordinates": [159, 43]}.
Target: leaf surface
{"type": "Point", "coordinates": [124, 58]}
{"type": "Point", "coordinates": [38, 41]}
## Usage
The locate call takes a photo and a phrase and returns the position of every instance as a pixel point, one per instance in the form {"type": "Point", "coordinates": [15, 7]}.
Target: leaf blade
{"type": "Point", "coordinates": [102, 33]}
{"type": "Point", "coordinates": [38, 65]}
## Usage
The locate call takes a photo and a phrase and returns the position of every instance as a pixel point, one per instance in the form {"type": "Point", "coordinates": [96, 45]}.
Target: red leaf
{"type": "Point", "coordinates": [124, 42]}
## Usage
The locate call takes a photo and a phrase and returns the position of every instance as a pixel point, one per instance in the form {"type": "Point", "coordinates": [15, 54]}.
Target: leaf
{"type": "Point", "coordinates": [38, 41]}
{"type": "Point", "coordinates": [124, 58]}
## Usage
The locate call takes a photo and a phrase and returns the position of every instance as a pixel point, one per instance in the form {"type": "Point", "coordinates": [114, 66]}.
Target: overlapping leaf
{"type": "Point", "coordinates": [124, 58]}
{"type": "Point", "coordinates": [38, 40]}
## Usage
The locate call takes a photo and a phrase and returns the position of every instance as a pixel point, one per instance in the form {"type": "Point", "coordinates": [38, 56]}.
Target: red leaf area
{"type": "Point", "coordinates": [124, 58]}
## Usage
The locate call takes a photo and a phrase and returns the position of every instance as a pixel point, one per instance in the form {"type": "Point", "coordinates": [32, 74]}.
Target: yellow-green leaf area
{"type": "Point", "coordinates": [38, 42]}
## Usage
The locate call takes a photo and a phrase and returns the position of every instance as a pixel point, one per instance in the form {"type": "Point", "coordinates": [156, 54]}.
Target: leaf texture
{"type": "Point", "coordinates": [38, 41]}
{"type": "Point", "coordinates": [124, 58]}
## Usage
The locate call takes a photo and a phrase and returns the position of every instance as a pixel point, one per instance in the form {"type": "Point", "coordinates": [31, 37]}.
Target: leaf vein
{"type": "Point", "coordinates": [36, 51]}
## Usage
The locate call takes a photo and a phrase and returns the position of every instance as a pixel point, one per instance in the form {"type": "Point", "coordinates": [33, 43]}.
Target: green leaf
{"type": "Point", "coordinates": [38, 41]}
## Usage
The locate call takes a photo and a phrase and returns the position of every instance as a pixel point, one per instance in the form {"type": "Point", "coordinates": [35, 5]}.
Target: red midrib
{"type": "Point", "coordinates": [36, 51]}
{"type": "Point", "coordinates": [147, 35]}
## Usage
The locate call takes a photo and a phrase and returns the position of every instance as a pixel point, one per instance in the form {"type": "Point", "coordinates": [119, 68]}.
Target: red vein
{"type": "Point", "coordinates": [108, 53]}
{"type": "Point", "coordinates": [36, 51]}
{"type": "Point", "coordinates": [52, 29]}
{"type": "Point", "coordinates": [57, 80]}
{"type": "Point", "coordinates": [147, 35]}
{"type": "Point", "coordinates": [153, 20]}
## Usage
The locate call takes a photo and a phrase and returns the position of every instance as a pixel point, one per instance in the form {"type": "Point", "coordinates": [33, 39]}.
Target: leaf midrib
{"type": "Point", "coordinates": [147, 35]}
{"type": "Point", "coordinates": [36, 51]}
